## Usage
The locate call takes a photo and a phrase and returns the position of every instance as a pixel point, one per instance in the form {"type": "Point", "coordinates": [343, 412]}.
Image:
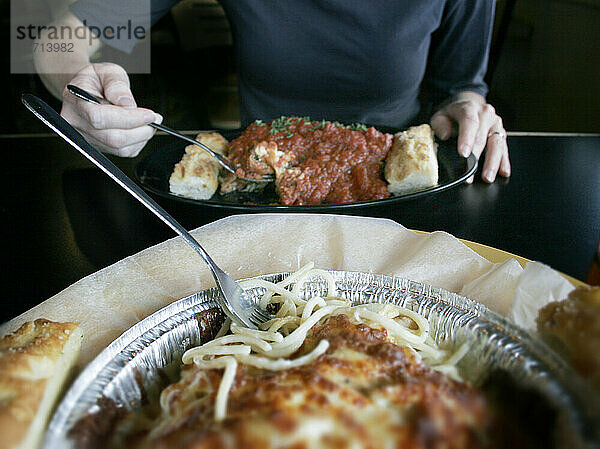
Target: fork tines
{"type": "Point", "coordinates": [259, 316]}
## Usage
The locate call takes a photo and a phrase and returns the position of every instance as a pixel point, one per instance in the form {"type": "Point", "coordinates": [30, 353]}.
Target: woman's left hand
{"type": "Point", "coordinates": [479, 128]}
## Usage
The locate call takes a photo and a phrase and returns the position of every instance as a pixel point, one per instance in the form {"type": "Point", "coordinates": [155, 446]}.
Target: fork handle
{"type": "Point", "coordinates": [52, 119]}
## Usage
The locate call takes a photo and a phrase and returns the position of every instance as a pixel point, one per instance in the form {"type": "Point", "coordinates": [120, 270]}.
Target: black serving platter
{"type": "Point", "coordinates": [152, 172]}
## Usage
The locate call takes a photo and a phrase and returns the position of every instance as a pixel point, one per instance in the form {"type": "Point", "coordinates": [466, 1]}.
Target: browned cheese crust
{"type": "Point", "coordinates": [362, 393]}
{"type": "Point", "coordinates": [33, 364]}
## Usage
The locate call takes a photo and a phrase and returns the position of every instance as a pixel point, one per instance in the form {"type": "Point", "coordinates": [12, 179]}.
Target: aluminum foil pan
{"type": "Point", "coordinates": [136, 366]}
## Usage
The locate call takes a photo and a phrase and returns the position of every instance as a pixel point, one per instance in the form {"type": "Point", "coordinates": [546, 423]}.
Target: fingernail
{"type": "Point", "coordinates": [489, 176]}
{"type": "Point", "coordinates": [149, 117]}
{"type": "Point", "coordinates": [158, 118]}
{"type": "Point", "coordinates": [125, 101]}
{"type": "Point", "coordinates": [464, 150]}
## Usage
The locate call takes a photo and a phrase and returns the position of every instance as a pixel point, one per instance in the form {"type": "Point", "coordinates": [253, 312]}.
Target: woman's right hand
{"type": "Point", "coordinates": [118, 128]}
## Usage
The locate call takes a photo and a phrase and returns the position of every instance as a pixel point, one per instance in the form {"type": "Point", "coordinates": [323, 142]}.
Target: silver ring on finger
{"type": "Point", "coordinates": [500, 134]}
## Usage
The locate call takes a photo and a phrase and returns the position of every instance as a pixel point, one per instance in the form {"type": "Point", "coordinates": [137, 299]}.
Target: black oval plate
{"type": "Point", "coordinates": [154, 170]}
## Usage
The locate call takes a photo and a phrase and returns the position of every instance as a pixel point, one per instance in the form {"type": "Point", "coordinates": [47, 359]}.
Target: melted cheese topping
{"type": "Point", "coordinates": [284, 334]}
{"type": "Point", "coordinates": [321, 374]}
{"type": "Point", "coordinates": [363, 392]}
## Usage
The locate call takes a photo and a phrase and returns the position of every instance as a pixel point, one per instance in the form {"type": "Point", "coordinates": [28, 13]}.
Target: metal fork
{"type": "Point", "coordinates": [222, 160]}
{"type": "Point", "coordinates": [235, 303]}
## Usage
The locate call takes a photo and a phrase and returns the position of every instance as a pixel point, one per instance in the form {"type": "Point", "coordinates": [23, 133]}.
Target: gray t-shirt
{"type": "Point", "coordinates": [346, 60]}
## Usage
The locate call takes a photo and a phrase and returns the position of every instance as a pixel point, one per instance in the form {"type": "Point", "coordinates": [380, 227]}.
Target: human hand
{"type": "Point", "coordinates": [119, 128]}
{"type": "Point", "coordinates": [479, 127]}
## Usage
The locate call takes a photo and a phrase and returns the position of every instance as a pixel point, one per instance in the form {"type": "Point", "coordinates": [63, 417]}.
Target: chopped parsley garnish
{"type": "Point", "coordinates": [358, 127]}
{"type": "Point", "coordinates": [282, 124]}
{"type": "Point", "coordinates": [319, 125]}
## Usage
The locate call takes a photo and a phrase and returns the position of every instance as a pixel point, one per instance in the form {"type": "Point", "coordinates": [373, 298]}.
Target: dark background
{"type": "Point", "coordinates": [543, 77]}
{"type": "Point", "coordinates": [543, 69]}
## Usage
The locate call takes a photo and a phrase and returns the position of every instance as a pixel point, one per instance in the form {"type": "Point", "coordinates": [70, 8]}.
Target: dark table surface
{"type": "Point", "coordinates": [63, 219]}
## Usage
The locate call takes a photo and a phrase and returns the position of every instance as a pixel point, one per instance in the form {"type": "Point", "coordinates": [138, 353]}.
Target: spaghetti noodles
{"type": "Point", "coordinates": [272, 347]}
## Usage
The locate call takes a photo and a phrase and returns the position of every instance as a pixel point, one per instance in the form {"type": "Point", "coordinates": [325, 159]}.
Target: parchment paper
{"type": "Point", "coordinates": [109, 301]}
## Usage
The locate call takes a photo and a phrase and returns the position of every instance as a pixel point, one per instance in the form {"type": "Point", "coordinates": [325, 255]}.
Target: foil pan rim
{"type": "Point", "coordinates": [454, 316]}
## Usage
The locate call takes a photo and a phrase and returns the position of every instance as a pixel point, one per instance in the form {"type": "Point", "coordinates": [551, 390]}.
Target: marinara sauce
{"type": "Point", "coordinates": [326, 162]}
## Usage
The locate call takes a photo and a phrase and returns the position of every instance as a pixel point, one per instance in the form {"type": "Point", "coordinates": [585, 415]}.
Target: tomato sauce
{"type": "Point", "coordinates": [326, 162]}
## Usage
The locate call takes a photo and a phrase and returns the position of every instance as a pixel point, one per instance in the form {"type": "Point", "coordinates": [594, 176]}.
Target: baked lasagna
{"type": "Point", "coordinates": [323, 373]}
{"type": "Point", "coordinates": [363, 392]}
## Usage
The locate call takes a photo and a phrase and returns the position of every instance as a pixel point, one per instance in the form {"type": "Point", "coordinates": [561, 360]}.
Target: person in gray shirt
{"type": "Point", "coordinates": [384, 63]}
